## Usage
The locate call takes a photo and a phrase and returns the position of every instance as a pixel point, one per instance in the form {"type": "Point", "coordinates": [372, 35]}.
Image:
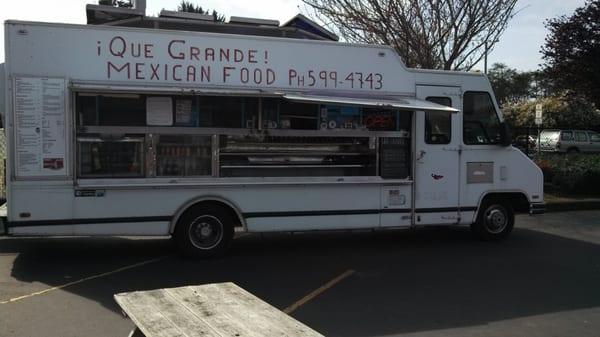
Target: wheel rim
{"type": "Point", "coordinates": [206, 232]}
{"type": "Point", "coordinates": [495, 219]}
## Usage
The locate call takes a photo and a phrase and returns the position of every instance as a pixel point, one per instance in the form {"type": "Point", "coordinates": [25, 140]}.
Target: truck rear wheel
{"type": "Point", "coordinates": [495, 221]}
{"type": "Point", "coordinates": [203, 231]}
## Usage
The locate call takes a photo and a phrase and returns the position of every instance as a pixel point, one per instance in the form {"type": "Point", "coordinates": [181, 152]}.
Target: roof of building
{"type": "Point", "coordinates": [299, 27]}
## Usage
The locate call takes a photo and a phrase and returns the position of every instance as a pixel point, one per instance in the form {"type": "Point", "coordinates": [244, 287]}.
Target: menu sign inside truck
{"type": "Point", "coordinates": [40, 126]}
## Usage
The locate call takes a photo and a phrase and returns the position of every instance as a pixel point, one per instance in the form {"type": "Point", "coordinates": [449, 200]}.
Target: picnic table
{"type": "Point", "coordinates": [218, 309]}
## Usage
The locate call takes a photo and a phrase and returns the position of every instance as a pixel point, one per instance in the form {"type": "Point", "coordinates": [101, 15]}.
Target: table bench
{"type": "Point", "coordinates": [219, 309]}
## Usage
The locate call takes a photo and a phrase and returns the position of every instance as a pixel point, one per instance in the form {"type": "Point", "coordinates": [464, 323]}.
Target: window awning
{"type": "Point", "coordinates": [401, 103]}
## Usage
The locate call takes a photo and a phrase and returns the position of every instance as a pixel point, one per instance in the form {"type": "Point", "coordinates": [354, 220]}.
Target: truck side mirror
{"type": "Point", "coordinates": [505, 135]}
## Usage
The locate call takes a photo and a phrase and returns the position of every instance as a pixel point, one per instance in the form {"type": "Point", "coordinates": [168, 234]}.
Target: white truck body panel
{"type": "Point", "coordinates": [154, 60]}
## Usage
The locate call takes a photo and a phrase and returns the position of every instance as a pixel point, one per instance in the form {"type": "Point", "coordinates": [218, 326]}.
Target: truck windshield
{"type": "Point", "coordinates": [480, 121]}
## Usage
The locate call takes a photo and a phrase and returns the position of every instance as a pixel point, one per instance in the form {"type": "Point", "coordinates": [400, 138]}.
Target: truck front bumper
{"type": "Point", "coordinates": [537, 208]}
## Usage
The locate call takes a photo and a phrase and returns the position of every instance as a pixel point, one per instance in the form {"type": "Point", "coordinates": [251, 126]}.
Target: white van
{"type": "Point", "coordinates": [569, 141]}
{"type": "Point", "coordinates": [139, 131]}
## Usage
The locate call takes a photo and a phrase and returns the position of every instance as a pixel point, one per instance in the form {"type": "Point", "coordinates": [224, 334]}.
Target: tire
{"type": "Point", "coordinates": [204, 231]}
{"type": "Point", "coordinates": [495, 221]}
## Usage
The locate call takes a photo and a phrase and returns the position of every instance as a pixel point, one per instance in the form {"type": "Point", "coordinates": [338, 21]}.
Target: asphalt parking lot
{"type": "Point", "coordinates": [543, 281]}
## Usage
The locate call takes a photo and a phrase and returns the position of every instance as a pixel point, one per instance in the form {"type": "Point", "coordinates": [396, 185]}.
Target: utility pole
{"type": "Point", "coordinates": [485, 59]}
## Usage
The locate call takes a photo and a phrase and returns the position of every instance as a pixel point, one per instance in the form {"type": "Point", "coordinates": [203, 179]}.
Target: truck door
{"type": "Point", "coordinates": [437, 158]}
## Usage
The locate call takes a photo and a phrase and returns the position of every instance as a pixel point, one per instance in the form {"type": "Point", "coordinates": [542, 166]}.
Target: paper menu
{"type": "Point", "coordinates": [159, 111]}
{"type": "Point", "coordinates": [40, 126]}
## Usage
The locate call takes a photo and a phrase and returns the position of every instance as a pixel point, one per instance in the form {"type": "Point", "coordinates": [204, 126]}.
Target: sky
{"type": "Point", "coordinates": [518, 47]}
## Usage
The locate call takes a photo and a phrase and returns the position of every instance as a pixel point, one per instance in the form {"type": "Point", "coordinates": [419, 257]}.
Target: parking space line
{"type": "Point", "coordinates": [317, 292]}
{"type": "Point", "coordinates": [118, 270]}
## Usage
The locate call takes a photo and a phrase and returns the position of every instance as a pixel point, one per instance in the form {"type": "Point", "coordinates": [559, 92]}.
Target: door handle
{"type": "Point", "coordinates": [421, 155]}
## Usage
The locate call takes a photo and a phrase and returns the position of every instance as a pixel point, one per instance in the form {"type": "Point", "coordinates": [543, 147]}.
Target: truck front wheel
{"type": "Point", "coordinates": [495, 221]}
{"type": "Point", "coordinates": [203, 231]}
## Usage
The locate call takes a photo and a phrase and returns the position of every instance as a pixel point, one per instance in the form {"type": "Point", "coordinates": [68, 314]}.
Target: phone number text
{"type": "Point", "coordinates": [333, 79]}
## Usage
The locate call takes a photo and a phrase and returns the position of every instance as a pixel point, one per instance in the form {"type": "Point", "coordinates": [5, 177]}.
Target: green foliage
{"type": "Point", "coordinates": [187, 6]}
{"type": "Point", "coordinates": [509, 84]}
{"type": "Point", "coordinates": [572, 174]}
{"type": "Point", "coordinates": [559, 111]}
{"type": "Point", "coordinates": [572, 51]}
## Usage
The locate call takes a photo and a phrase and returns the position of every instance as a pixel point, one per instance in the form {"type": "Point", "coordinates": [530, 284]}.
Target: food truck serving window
{"type": "Point", "coordinates": [166, 135]}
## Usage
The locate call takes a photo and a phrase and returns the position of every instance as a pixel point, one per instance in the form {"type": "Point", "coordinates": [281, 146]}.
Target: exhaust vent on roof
{"type": "Point", "coordinates": [185, 15]}
{"type": "Point", "coordinates": [140, 6]}
{"type": "Point", "coordinates": [253, 21]}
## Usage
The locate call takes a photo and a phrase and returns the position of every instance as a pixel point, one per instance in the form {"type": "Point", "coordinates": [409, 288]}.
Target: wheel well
{"type": "Point", "coordinates": [517, 200]}
{"type": "Point", "coordinates": [235, 215]}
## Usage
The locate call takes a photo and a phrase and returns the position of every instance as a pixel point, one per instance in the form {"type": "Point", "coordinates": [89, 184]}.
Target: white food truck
{"type": "Point", "coordinates": [141, 131]}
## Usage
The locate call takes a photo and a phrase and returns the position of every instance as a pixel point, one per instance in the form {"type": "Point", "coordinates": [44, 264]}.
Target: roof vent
{"type": "Point", "coordinates": [185, 15]}
{"type": "Point", "coordinates": [253, 21]}
{"type": "Point", "coordinates": [140, 5]}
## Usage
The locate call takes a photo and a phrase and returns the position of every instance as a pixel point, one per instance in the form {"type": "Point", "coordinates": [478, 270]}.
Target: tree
{"type": "Point", "coordinates": [560, 111]}
{"type": "Point", "coordinates": [186, 6]}
{"type": "Point", "coordinates": [116, 3]}
{"type": "Point", "coordinates": [447, 34]}
{"type": "Point", "coordinates": [572, 51]}
{"type": "Point", "coordinates": [511, 85]}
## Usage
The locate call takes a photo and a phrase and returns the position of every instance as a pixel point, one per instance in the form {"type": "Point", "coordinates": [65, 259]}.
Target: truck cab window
{"type": "Point", "coordinates": [438, 124]}
{"type": "Point", "coordinates": [480, 121]}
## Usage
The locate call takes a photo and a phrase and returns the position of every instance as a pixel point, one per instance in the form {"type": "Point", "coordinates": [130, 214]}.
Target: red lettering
{"type": "Point", "coordinates": [257, 76]}
{"type": "Point", "coordinates": [174, 72]}
{"type": "Point", "coordinates": [191, 74]}
{"type": "Point", "coordinates": [209, 53]}
{"type": "Point", "coordinates": [177, 56]}
{"type": "Point", "coordinates": [139, 50]}
{"type": "Point", "coordinates": [292, 74]}
{"type": "Point", "coordinates": [238, 55]}
{"type": "Point", "coordinates": [270, 76]}
{"type": "Point", "coordinates": [224, 55]}
{"type": "Point", "coordinates": [244, 75]}
{"type": "Point", "coordinates": [110, 66]}
{"type": "Point", "coordinates": [114, 49]}
{"type": "Point", "coordinates": [138, 71]}
{"type": "Point", "coordinates": [226, 73]}
{"type": "Point", "coordinates": [252, 56]}
{"type": "Point", "coordinates": [154, 69]}
{"type": "Point", "coordinates": [148, 50]}
{"type": "Point", "coordinates": [205, 73]}
{"type": "Point", "coordinates": [194, 52]}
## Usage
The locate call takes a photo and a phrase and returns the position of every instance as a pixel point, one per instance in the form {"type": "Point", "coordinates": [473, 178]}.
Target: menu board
{"type": "Point", "coordinates": [40, 126]}
{"type": "Point", "coordinates": [183, 111]}
{"type": "Point", "coordinates": [159, 111]}
{"type": "Point", "coordinates": [393, 158]}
